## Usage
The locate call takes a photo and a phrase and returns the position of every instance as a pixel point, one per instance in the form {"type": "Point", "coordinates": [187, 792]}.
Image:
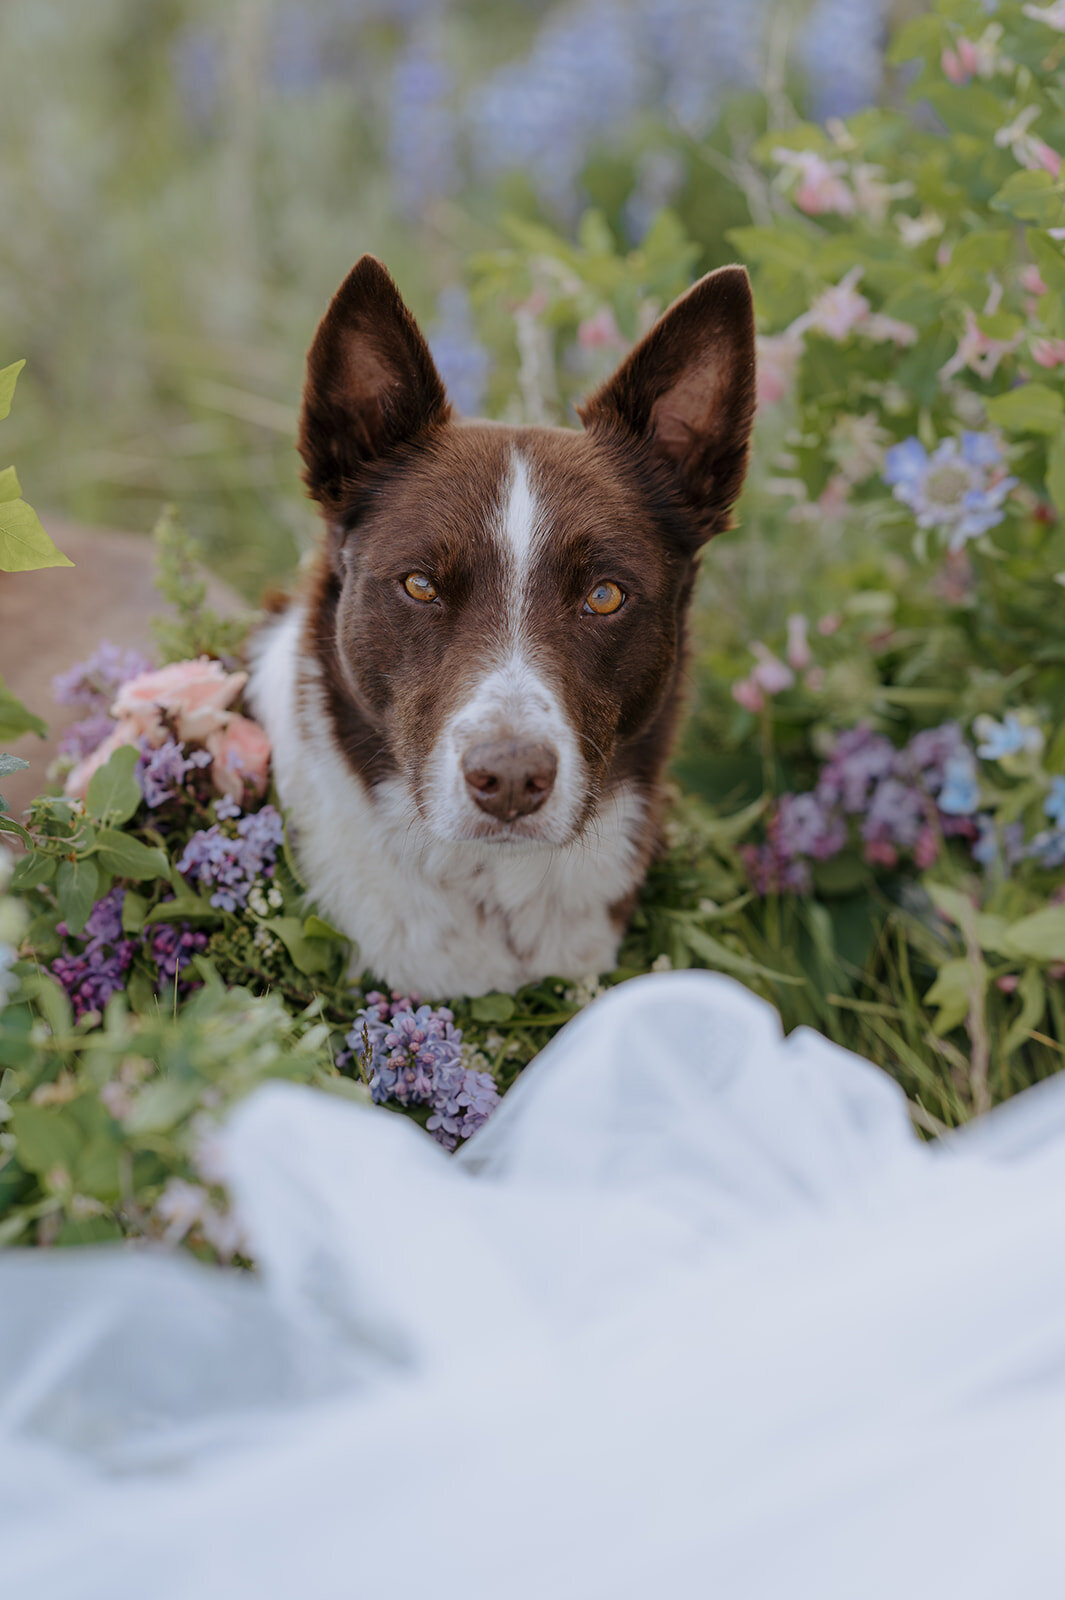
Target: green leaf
{"type": "Point", "coordinates": [15, 720]}
{"type": "Point", "coordinates": [47, 1137]}
{"type": "Point", "coordinates": [316, 927]}
{"type": "Point", "coordinates": [114, 793]}
{"type": "Point", "coordinates": [492, 1008]}
{"type": "Point", "coordinates": [956, 985]}
{"type": "Point", "coordinates": [718, 955]}
{"type": "Point", "coordinates": [76, 886]}
{"type": "Point", "coordinates": [127, 857]}
{"type": "Point", "coordinates": [9, 825]}
{"type": "Point", "coordinates": [9, 485]}
{"type": "Point", "coordinates": [134, 911]}
{"type": "Point", "coordinates": [1048, 257]}
{"type": "Point", "coordinates": [1033, 408]}
{"type": "Point", "coordinates": [24, 545]}
{"type": "Point", "coordinates": [1032, 991]}
{"type": "Point", "coordinates": [1032, 196]}
{"type": "Point", "coordinates": [1039, 937]}
{"type": "Point", "coordinates": [8, 380]}
{"type": "Point", "coordinates": [968, 109]}
{"type": "Point", "coordinates": [183, 908]}
{"type": "Point", "coordinates": [310, 956]}
{"type": "Point", "coordinates": [32, 870]}
{"type": "Point", "coordinates": [51, 1001]}
{"type": "Point", "coordinates": [1056, 472]}
{"type": "Point", "coordinates": [11, 764]}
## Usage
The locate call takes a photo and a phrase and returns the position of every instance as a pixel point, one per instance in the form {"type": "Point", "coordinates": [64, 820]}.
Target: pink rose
{"type": "Point", "coordinates": [78, 777]}
{"type": "Point", "coordinates": [241, 756]}
{"type": "Point", "coordinates": [194, 694]}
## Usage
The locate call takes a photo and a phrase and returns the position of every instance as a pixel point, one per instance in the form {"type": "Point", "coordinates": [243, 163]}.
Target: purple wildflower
{"type": "Point", "coordinates": [804, 826]}
{"type": "Point", "coordinates": [92, 975]}
{"type": "Point", "coordinates": [82, 738]}
{"type": "Point", "coordinates": [172, 945]}
{"type": "Point", "coordinates": [416, 1059]}
{"type": "Point", "coordinates": [230, 864]}
{"type": "Point", "coordinates": [92, 685]}
{"type": "Point", "coordinates": [161, 772]}
{"type": "Point", "coordinates": [859, 759]}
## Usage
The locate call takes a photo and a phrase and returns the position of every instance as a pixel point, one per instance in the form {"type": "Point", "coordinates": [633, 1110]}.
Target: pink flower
{"type": "Point", "coordinates": [798, 647]}
{"type": "Point", "coordinates": [1049, 352]}
{"type": "Point", "coordinates": [829, 624]}
{"type": "Point", "coordinates": [820, 186]}
{"type": "Point", "coordinates": [838, 311]}
{"type": "Point", "coordinates": [977, 351]}
{"type": "Point", "coordinates": [926, 849]}
{"type": "Point", "coordinates": [954, 67]}
{"type": "Point", "coordinates": [241, 756]}
{"type": "Point", "coordinates": [1007, 983]}
{"type": "Point", "coordinates": [747, 694]}
{"type": "Point", "coordinates": [1032, 280]}
{"type": "Point", "coordinates": [193, 694]}
{"type": "Point", "coordinates": [78, 777]}
{"type": "Point", "coordinates": [879, 853]}
{"type": "Point", "coordinates": [600, 331]}
{"type": "Point", "coordinates": [778, 357]}
{"type": "Point", "coordinates": [1045, 157]}
{"type": "Point", "coordinates": [770, 674]}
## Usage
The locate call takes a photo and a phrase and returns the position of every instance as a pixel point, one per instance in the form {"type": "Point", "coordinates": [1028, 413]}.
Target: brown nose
{"type": "Point", "coordinates": [510, 780]}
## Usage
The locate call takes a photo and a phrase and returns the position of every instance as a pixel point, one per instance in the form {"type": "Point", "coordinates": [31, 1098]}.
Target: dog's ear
{"type": "Point", "coordinates": [688, 391]}
{"type": "Point", "coordinates": [371, 384]}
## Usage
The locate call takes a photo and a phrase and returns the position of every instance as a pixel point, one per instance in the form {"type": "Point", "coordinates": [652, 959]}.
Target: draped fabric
{"type": "Point", "coordinates": [696, 1314]}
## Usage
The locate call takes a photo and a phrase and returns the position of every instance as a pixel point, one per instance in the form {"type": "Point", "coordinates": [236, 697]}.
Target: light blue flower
{"type": "Point", "coordinates": [960, 794]}
{"type": "Point", "coordinates": [1010, 737]}
{"type": "Point", "coordinates": [953, 490]}
{"type": "Point", "coordinates": [1054, 804]}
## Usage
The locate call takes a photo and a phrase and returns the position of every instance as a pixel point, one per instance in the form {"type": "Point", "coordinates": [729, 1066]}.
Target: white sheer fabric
{"type": "Point", "coordinates": [695, 1315]}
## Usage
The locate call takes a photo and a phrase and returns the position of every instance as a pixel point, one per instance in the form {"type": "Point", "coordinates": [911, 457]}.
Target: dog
{"type": "Point", "coordinates": [473, 700]}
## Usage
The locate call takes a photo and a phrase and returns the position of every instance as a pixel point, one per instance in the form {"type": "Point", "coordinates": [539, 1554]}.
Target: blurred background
{"type": "Point", "coordinates": [185, 182]}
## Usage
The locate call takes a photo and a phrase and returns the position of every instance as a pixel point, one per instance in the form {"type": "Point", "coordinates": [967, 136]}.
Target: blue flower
{"type": "Point", "coordinates": [1009, 737]}
{"type": "Point", "coordinates": [960, 794]}
{"type": "Point", "coordinates": [959, 489]}
{"type": "Point", "coordinates": [1054, 804]}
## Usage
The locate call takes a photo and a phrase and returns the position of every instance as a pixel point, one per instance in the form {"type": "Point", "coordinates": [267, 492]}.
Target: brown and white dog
{"type": "Point", "coordinates": [472, 704]}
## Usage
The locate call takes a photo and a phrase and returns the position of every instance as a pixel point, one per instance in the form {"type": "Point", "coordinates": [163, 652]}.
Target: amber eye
{"type": "Point", "coordinates": [604, 598]}
{"type": "Point", "coordinates": [419, 587]}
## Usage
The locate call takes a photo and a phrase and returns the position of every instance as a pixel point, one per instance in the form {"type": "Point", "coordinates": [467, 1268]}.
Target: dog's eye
{"type": "Point", "coordinates": [604, 598]}
{"type": "Point", "coordinates": [419, 587]}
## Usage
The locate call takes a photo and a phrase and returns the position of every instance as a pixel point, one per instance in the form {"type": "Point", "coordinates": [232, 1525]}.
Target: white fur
{"type": "Point", "coordinates": [439, 916]}
{"type": "Point", "coordinates": [512, 700]}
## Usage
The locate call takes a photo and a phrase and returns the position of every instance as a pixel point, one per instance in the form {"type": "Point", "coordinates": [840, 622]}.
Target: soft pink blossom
{"type": "Point", "coordinates": [1007, 983]}
{"type": "Point", "coordinates": [926, 848]}
{"type": "Point", "coordinates": [78, 778]}
{"type": "Point", "coordinates": [778, 358]}
{"type": "Point", "coordinates": [600, 331]}
{"type": "Point", "coordinates": [954, 67]}
{"type": "Point", "coordinates": [888, 329]}
{"type": "Point", "coordinates": [1049, 352]}
{"type": "Point", "coordinates": [819, 183]}
{"type": "Point", "coordinates": [241, 756]}
{"type": "Point", "coordinates": [977, 351]}
{"type": "Point", "coordinates": [798, 646]}
{"type": "Point", "coordinates": [829, 624]}
{"type": "Point", "coordinates": [815, 680]}
{"type": "Point", "coordinates": [879, 853]}
{"type": "Point", "coordinates": [1053, 15]}
{"type": "Point", "coordinates": [834, 498]}
{"type": "Point", "coordinates": [193, 695]}
{"type": "Point", "coordinates": [838, 311]}
{"type": "Point", "coordinates": [770, 673]}
{"type": "Point", "coordinates": [748, 694]}
{"type": "Point", "coordinates": [1032, 280]}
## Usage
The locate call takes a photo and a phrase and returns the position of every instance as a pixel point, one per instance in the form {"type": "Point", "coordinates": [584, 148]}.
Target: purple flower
{"type": "Point", "coordinates": [805, 827]}
{"type": "Point", "coordinates": [859, 759]}
{"type": "Point", "coordinates": [896, 815]}
{"type": "Point", "coordinates": [229, 863]}
{"type": "Point", "coordinates": [172, 945]}
{"type": "Point", "coordinates": [82, 738]}
{"type": "Point", "coordinates": [93, 974]}
{"type": "Point", "coordinates": [161, 772]}
{"type": "Point", "coordinates": [92, 685]}
{"type": "Point", "coordinates": [416, 1059]}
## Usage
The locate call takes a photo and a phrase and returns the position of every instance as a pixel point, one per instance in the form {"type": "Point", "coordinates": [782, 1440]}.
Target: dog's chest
{"type": "Point", "coordinates": [439, 917]}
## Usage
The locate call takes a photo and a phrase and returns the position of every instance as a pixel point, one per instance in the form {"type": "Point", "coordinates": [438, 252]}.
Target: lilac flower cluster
{"type": "Point", "coordinates": [161, 772]}
{"type": "Point", "coordinates": [229, 861]}
{"type": "Point", "coordinates": [96, 971]}
{"type": "Point", "coordinates": [99, 968]}
{"type": "Point", "coordinates": [903, 802]}
{"type": "Point", "coordinates": [416, 1059]}
{"type": "Point", "coordinates": [90, 687]}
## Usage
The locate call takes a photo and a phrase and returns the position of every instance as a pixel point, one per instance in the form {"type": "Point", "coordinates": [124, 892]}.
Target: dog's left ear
{"type": "Point", "coordinates": [688, 390]}
{"type": "Point", "coordinates": [371, 385]}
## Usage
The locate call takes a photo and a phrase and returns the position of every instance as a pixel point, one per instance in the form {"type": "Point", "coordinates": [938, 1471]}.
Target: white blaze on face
{"type": "Point", "coordinates": [513, 698]}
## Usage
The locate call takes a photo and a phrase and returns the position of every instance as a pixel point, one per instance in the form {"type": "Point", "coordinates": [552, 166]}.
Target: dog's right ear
{"type": "Point", "coordinates": [371, 385]}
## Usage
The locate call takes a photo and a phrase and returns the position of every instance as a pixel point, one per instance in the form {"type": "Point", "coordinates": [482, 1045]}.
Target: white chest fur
{"type": "Point", "coordinates": [437, 917]}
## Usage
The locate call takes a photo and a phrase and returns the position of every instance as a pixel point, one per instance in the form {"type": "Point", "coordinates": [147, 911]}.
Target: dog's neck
{"type": "Point", "coordinates": [443, 918]}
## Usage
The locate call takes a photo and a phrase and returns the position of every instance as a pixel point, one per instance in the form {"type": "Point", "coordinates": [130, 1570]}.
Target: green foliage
{"type": "Point", "coordinates": [195, 628]}
{"type": "Point", "coordinates": [24, 545]}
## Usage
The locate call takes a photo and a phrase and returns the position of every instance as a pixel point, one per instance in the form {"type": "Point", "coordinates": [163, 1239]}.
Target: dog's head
{"type": "Point", "coordinates": [507, 604]}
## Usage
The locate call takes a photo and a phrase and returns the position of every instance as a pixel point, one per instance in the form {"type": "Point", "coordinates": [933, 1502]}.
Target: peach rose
{"type": "Point", "coordinates": [194, 694]}
{"type": "Point", "coordinates": [78, 777]}
{"type": "Point", "coordinates": [240, 752]}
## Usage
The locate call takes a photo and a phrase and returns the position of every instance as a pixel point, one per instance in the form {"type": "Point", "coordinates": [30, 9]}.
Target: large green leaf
{"type": "Point", "coordinates": [1040, 937]}
{"type": "Point", "coordinates": [1032, 196]}
{"type": "Point", "coordinates": [128, 857]}
{"type": "Point", "coordinates": [8, 380]}
{"type": "Point", "coordinates": [24, 545]}
{"type": "Point", "coordinates": [76, 887]}
{"type": "Point", "coordinates": [15, 719]}
{"type": "Point", "coordinates": [114, 793]}
{"type": "Point", "coordinates": [1033, 408]}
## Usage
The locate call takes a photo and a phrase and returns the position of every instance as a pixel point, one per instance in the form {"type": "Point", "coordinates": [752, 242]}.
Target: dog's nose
{"type": "Point", "coordinates": [510, 780]}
